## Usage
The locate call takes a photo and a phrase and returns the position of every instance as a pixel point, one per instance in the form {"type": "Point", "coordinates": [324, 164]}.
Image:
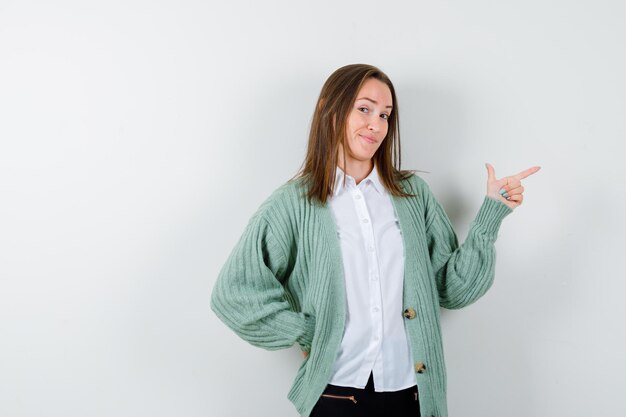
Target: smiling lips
{"type": "Point", "coordinates": [368, 139]}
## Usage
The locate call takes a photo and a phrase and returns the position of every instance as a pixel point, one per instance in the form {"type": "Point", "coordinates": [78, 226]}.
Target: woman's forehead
{"type": "Point", "coordinates": [376, 92]}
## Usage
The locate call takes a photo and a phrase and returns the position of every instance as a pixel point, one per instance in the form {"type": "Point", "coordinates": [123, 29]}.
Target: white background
{"type": "Point", "coordinates": [137, 138]}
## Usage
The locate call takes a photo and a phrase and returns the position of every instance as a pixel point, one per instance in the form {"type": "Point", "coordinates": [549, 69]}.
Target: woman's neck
{"type": "Point", "coordinates": [357, 169]}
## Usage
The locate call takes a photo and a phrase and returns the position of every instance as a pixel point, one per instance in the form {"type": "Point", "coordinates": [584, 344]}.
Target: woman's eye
{"type": "Point", "coordinates": [365, 110]}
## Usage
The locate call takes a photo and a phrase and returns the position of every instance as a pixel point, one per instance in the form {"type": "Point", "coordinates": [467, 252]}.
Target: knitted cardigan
{"type": "Point", "coordinates": [283, 283]}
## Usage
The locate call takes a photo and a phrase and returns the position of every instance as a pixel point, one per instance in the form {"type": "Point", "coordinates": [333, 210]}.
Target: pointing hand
{"type": "Point", "coordinates": [508, 189]}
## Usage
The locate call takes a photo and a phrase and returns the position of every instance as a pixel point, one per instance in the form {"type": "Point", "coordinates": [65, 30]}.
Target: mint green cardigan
{"type": "Point", "coordinates": [283, 283]}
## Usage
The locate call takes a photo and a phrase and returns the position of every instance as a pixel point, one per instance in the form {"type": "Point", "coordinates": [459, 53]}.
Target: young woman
{"type": "Point", "coordinates": [353, 258]}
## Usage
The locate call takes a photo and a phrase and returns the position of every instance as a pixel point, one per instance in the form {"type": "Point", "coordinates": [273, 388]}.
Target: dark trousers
{"type": "Point", "coordinates": [339, 401]}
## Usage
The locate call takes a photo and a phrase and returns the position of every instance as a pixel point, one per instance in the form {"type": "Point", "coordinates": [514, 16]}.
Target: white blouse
{"type": "Point", "coordinates": [374, 338]}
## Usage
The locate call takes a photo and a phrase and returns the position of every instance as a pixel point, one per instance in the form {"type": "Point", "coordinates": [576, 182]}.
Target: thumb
{"type": "Point", "coordinates": [491, 173]}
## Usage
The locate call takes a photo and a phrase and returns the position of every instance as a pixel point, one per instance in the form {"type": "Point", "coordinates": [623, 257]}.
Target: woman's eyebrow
{"type": "Point", "coordinates": [373, 101]}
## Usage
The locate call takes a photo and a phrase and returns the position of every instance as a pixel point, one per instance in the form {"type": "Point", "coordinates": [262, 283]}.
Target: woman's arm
{"type": "Point", "coordinates": [463, 273]}
{"type": "Point", "coordinates": [249, 297]}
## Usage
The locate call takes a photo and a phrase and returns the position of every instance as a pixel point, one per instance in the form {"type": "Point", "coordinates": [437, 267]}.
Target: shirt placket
{"type": "Point", "coordinates": [375, 293]}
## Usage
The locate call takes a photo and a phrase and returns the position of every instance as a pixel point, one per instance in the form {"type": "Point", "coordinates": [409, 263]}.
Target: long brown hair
{"type": "Point", "coordinates": [328, 131]}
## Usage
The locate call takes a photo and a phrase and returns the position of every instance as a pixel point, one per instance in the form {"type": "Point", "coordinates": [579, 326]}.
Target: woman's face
{"type": "Point", "coordinates": [368, 120]}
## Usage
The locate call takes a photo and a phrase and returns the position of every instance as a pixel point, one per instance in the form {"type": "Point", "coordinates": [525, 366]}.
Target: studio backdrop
{"type": "Point", "coordinates": [138, 137]}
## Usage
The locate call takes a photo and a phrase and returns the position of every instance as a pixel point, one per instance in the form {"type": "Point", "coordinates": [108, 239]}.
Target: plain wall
{"type": "Point", "coordinates": [138, 137]}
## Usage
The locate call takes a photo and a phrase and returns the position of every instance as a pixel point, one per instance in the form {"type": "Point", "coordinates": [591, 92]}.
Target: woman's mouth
{"type": "Point", "coordinates": [368, 139]}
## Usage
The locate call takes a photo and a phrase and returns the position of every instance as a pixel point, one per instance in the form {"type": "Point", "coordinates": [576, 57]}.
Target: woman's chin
{"type": "Point", "coordinates": [367, 152]}
{"type": "Point", "coordinates": [365, 157]}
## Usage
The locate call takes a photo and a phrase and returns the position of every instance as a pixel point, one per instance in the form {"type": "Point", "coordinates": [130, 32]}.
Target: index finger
{"type": "Point", "coordinates": [525, 173]}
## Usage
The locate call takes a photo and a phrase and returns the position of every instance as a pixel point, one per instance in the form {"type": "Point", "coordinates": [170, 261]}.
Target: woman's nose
{"type": "Point", "coordinates": [374, 125]}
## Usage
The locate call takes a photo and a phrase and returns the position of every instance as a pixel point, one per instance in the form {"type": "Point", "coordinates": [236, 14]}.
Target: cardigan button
{"type": "Point", "coordinates": [409, 313]}
{"type": "Point", "coordinates": [420, 367]}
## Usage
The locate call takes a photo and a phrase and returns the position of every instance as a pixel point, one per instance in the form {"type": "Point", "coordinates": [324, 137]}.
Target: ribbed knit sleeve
{"type": "Point", "coordinates": [463, 273]}
{"type": "Point", "coordinates": [249, 297]}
